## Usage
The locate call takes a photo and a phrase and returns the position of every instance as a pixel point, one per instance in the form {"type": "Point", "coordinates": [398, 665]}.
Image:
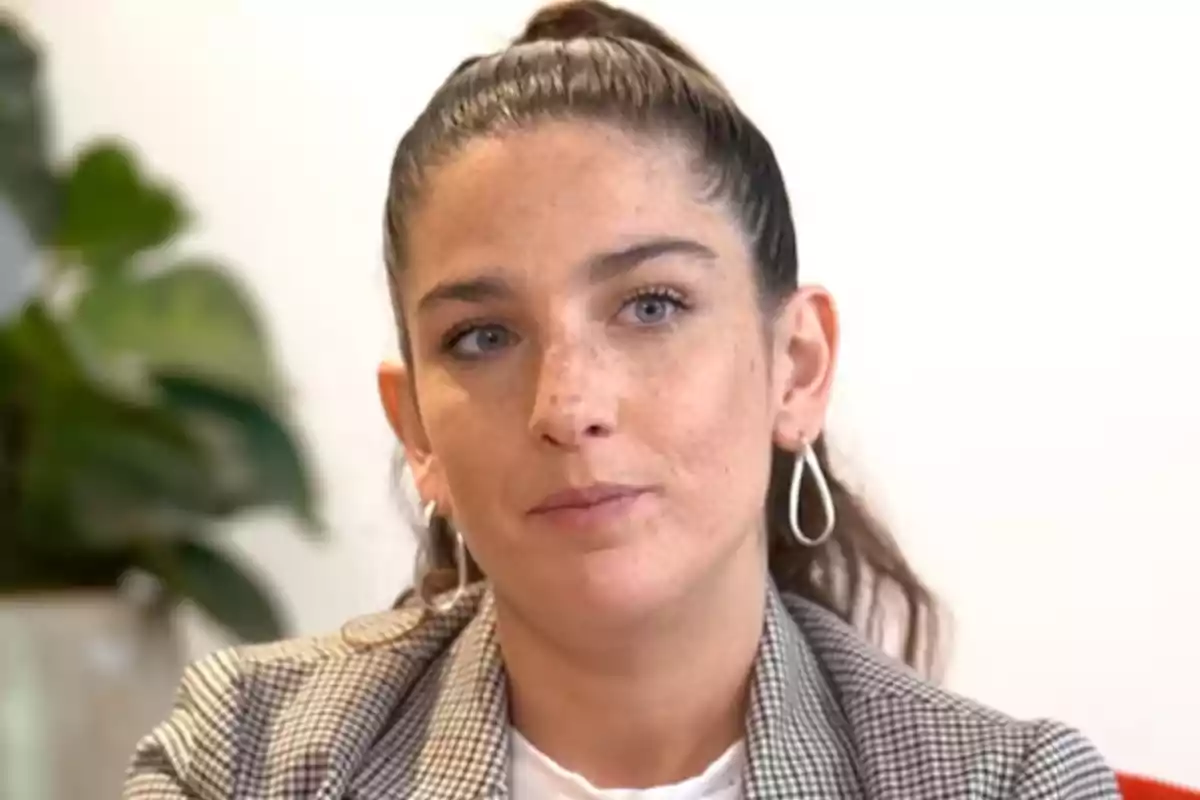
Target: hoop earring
{"type": "Point", "coordinates": [808, 459]}
{"type": "Point", "coordinates": [460, 565]}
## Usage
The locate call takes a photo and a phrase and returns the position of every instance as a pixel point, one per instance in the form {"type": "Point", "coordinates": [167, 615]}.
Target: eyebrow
{"type": "Point", "coordinates": [598, 269]}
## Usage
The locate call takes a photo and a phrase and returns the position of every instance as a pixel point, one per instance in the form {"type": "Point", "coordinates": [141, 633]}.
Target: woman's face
{"type": "Point", "coordinates": [596, 387]}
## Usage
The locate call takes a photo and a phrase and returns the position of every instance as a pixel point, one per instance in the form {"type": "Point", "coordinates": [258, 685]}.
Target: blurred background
{"type": "Point", "coordinates": [1005, 198]}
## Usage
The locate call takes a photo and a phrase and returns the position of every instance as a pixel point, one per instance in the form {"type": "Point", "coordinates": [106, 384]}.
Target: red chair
{"type": "Point", "coordinates": [1135, 787]}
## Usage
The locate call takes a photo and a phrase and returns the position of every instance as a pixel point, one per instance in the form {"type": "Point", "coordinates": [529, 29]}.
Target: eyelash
{"type": "Point", "coordinates": [460, 332]}
{"type": "Point", "coordinates": [661, 293]}
{"type": "Point", "coordinates": [673, 296]}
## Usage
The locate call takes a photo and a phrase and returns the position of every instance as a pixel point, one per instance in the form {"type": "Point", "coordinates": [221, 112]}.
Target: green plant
{"type": "Point", "coordinates": [139, 406]}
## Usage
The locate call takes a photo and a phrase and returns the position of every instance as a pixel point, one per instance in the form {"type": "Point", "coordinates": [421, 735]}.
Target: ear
{"type": "Point", "coordinates": [400, 405]}
{"type": "Point", "coordinates": [804, 354]}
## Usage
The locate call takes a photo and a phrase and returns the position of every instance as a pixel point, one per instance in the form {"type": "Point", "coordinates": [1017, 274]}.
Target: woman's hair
{"type": "Point", "coordinates": [585, 60]}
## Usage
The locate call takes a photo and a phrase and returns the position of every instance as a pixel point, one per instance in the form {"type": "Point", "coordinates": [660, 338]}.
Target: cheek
{"type": "Point", "coordinates": [708, 418]}
{"type": "Point", "coordinates": [468, 439]}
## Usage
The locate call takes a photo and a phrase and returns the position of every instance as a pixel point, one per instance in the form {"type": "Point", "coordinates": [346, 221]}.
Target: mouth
{"type": "Point", "coordinates": [589, 504]}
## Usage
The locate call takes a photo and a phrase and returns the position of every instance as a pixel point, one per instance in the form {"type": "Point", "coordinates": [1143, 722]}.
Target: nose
{"type": "Point", "coordinates": [576, 396]}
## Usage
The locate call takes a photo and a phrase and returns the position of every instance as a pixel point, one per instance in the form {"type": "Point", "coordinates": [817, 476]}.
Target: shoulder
{"type": "Point", "coordinates": [909, 732]}
{"type": "Point", "coordinates": [309, 700]}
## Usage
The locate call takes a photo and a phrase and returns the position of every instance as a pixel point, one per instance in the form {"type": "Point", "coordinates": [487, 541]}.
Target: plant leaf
{"type": "Point", "coordinates": [194, 319]}
{"type": "Point", "coordinates": [256, 461]}
{"type": "Point", "coordinates": [25, 570]}
{"type": "Point", "coordinates": [111, 212]}
{"type": "Point", "coordinates": [222, 588]}
{"type": "Point", "coordinates": [26, 178]}
{"type": "Point", "coordinates": [18, 264]}
{"type": "Point", "coordinates": [96, 468]}
{"type": "Point", "coordinates": [27, 187]}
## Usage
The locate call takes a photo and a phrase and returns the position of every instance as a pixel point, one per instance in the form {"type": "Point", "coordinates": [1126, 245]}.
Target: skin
{"type": "Point", "coordinates": [549, 355]}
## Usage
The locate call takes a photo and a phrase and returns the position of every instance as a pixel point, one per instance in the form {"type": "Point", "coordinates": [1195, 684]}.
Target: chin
{"type": "Point", "coordinates": [616, 589]}
{"type": "Point", "coordinates": [621, 581]}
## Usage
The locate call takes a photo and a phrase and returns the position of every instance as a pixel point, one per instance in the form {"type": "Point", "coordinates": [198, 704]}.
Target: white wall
{"type": "Point", "coordinates": [1008, 207]}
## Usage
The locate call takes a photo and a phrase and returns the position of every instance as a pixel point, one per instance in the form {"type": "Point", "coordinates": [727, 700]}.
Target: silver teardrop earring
{"type": "Point", "coordinates": [808, 460]}
{"type": "Point", "coordinates": [443, 605]}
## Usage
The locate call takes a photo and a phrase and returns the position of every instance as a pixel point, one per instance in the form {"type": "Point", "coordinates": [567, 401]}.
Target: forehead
{"type": "Point", "coordinates": [554, 193]}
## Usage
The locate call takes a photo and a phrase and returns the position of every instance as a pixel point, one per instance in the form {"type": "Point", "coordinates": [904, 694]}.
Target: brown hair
{"type": "Point", "coordinates": [587, 60]}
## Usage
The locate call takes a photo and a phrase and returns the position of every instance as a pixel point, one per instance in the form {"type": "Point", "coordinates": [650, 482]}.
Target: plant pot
{"type": "Point", "coordinates": [83, 675]}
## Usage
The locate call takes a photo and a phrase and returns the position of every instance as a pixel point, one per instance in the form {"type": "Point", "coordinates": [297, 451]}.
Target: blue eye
{"type": "Point", "coordinates": [653, 307]}
{"type": "Point", "coordinates": [479, 341]}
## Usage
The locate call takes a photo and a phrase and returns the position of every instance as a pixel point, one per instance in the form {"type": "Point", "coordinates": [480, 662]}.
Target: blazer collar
{"type": "Point", "coordinates": [447, 737]}
{"type": "Point", "coordinates": [797, 739]}
{"type": "Point", "coordinates": [466, 748]}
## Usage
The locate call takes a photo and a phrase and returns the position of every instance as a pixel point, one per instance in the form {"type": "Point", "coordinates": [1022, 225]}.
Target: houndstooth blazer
{"type": "Point", "coordinates": [406, 706]}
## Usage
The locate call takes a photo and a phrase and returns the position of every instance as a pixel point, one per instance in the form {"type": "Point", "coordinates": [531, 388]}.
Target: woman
{"type": "Point", "coordinates": [611, 400]}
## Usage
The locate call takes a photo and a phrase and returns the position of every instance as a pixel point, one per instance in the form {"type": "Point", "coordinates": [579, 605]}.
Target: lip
{"type": "Point", "coordinates": [588, 498]}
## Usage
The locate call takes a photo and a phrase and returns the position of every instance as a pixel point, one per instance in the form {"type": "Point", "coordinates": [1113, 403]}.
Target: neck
{"type": "Point", "coordinates": [645, 708]}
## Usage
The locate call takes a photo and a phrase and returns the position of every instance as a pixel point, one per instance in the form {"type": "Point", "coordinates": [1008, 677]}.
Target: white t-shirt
{"type": "Point", "coordinates": [536, 777]}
